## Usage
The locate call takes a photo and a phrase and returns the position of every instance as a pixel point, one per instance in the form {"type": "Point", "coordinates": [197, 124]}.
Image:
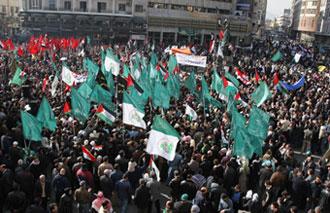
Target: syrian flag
{"type": "Point", "coordinates": [191, 113]}
{"type": "Point", "coordinates": [106, 116]}
{"type": "Point", "coordinates": [44, 84]}
{"type": "Point", "coordinates": [87, 154]}
{"type": "Point", "coordinates": [154, 168]}
{"type": "Point", "coordinates": [212, 44]}
{"type": "Point", "coordinates": [66, 108]}
{"type": "Point", "coordinates": [276, 79]}
{"type": "Point", "coordinates": [163, 139]}
{"type": "Point", "coordinates": [97, 147]}
{"type": "Point", "coordinates": [133, 113]}
{"type": "Point", "coordinates": [242, 76]}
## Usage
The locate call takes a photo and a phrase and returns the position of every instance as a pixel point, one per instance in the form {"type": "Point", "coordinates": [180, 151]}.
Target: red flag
{"type": "Point", "coordinates": [221, 35]}
{"type": "Point", "coordinates": [74, 43]}
{"type": "Point", "coordinates": [211, 46]}
{"type": "Point", "coordinates": [166, 75]}
{"type": "Point", "coordinates": [129, 81]}
{"type": "Point", "coordinates": [10, 44]}
{"type": "Point", "coordinates": [66, 108]}
{"type": "Point", "coordinates": [20, 52]}
{"type": "Point", "coordinates": [237, 96]}
{"type": "Point", "coordinates": [34, 49]}
{"type": "Point", "coordinates": [87, 154]}
{"type": "Point", "coordinates": [225, 82]}
{"type": "Point", "coordinates": [242, 76]}
{"type": "Point", "coordinates": [67, 88]}
{"type": "Point", "coordinates": [257, 77]}
{"type": "Point", "coordinates": [44, 83]}
{"type": "Point", "coordinates": [276, 79]}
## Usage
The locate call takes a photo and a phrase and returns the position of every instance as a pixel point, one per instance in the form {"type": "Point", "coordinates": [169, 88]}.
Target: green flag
{"type": "Point", "coordinates": [126, 71]}
{"type": "Point", "coordinates": [172, 63]}
{"type": "Point", "coordinates": [160, 97]}
{"type": "Point", "coordinates": [208, 99]}
{"type": "Point", "coordinates": [46, 115]}
{"type": "Point", "coordinates": [217, 84]}
{"type": "Point", "coordinates": [232, 79]}
{"type": "Point", "coordinates": [85, 90]}
{"type": "Point", "coordinates": [243, 145]}
{"type": "Point", "coordinates": [18, 79]}
{"type": "Point", "coordinates": [261, 94]}
{"type": "Point", "coordinates": [108, 75]}
{"type": "Point", "coordinates": [101, 96]}
{"type": "Point", "coordinates": [205, 88]}
{"type": "Point", "coordinates": [153, 59]}
{"type": "Point", "coordinates": [31, 127]}
{"type": "Point", "coordinates": [237, 122]}
{"type": "Point", "coordinates": [258, 123]}
{"type": "Point", "coordinates": [80, 106]}
{"type": "Point", "coordinates": [93, 70]}
{"type": "Point", "coordinates": [173, 86]}
{"type": "Point", "coordinates": [278, 56]}
{"type": "Point", "coordinates": [190, 82]}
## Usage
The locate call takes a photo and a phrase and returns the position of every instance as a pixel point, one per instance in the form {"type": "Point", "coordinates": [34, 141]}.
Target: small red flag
{"type": "Point", "coordinates": [87, 154]}
{"type": "Point", "coordinates": [129, 81]}
{"type": "Point", "coordinates": [20, 52]}
{"type": "Point", "coordinates": [225, 82]}
{"type": "Point", "coordinates": [237, 96]}
{"type": "Point", "coordinates": [276, 79]}
{"type": "Point", "coordinates": [10, 44]}
{"type": "Point", "coordinates": [221, 35]}
{"type": "Point", "coordinates": [257, 77]}
{"type": "Point", "coordinates": [66, 108]}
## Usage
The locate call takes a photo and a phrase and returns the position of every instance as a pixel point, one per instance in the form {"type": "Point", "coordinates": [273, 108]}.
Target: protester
{"type": "Point", "coordinates": [256, 120]}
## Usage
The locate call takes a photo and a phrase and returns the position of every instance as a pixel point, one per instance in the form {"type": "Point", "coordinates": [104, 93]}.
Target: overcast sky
{"type": "Point", "coordinates": [275, 8]}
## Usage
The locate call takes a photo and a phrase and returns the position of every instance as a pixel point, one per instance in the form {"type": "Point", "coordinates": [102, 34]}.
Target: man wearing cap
{"type": "Point", "coordinates": [184, 205]}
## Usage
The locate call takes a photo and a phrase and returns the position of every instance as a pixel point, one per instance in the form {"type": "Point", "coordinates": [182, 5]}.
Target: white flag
{"type": "Point", "coordinates": [191, 113]}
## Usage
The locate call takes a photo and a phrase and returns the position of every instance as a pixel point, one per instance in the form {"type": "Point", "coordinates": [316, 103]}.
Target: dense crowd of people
{"type": "Point", "coordinates": [205, 175]}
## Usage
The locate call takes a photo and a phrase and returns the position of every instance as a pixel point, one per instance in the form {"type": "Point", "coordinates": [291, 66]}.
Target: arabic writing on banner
{"type": "Point", "coordinates": [191, 60]}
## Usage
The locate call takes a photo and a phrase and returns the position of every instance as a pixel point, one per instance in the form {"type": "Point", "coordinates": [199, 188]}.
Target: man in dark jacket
{"type": "Point", "coordinates": [325, 199]}
{"type": "Point", "coordinates": [60, 182]}
{"type": "Point", "coordinates": [299, 190]}
{"type": "Point", "coordinates": [142, 197]}
{"type": "Point", "coordinates": [175, 186]}
{"type": "Point", "coordinates": [189, 187]}
{"type": "Point", "coordinates": [106, 184]}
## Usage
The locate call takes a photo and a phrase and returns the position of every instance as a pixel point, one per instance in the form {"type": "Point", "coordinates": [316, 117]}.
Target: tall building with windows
{"type": "Point", "coordinates": [161, 20]}
{"type": "Point", "coordinates": [101, 19]}
{"type": "Point", "coordinates": [306, 14]}
{"type": "Point", "coordinates": [259, 8]}
{"type": "Point", "coordinates": [9, 21]}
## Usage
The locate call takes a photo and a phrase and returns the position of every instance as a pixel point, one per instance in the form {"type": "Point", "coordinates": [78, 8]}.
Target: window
{"type": "Point", "coordinates": [139, 8]}
{"type": "Point", "coordinates": [4, 9]}
{"type": "Point", "coordinates": [67, 5]}
{"type": "Point", "coordinates": [16, 10]}
{"type": "Point", "coordinates": [35, 4]}
{"type": "Point", "coordinates": [101, 7]}
{"type": "Point", "coordinates": [52, 4]}
{"type": "Point", "coordinates": [314, 3]}
{"type": "Point", "coordinates": [83, 6]}
{"type": "Point", "coordinates": [122, 7]}
{"type": "Point", "coordinates": [12, 9]}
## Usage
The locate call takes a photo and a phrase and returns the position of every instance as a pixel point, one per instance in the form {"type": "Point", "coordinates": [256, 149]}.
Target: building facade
{"type": "Point", "coordinates": [305, 20]}
{"type": "Point", "coordinates": [259, 9]}
{"type": "Point", "coordinates": [284, 21]}
{"type": "Point", "coordinates": [160, 20]}
{"type": "Point", "coordinates": [9, 20]}
{"type": "Point", "coordinates": [101, 19]}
